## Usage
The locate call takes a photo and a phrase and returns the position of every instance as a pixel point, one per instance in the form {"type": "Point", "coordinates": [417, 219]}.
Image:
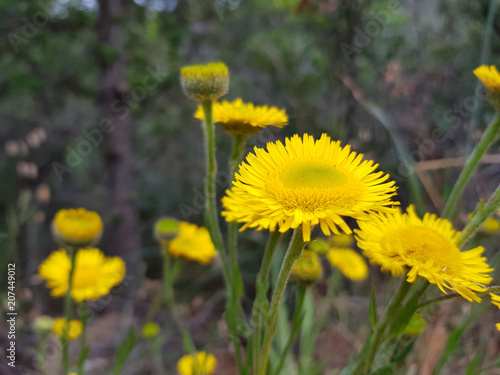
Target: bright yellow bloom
{"type": "Point", "coordinates": [497, 326]}
{"type": "Point", "coordinates": [75, 328]}
{"type": "Point", "coordinates": [150, 330]}
{"type": "Point", "coordinates": [205, 82]}
{"type": "Point", "coordinates": [428, 247]}
{"type": "Point", "coordinates": [495, 299]}
{"type": "Point", "coordinates": [94, 275]}
{"type": "Point", "coordinates": [350, 263]}
{"type": "Point", "coordinates": [77, 227]}
{"type": "Point", "coordinates": [307, 269]}
{"type": "Point", "coordinates": [305, 183]}
{"type": "Point", "coordinates": [202, 364]}
{"type": "Point", "coordinates": [245, 119]}
{"type": "Point", "coordinates": [490, 77]}
{"type": "Point", "coordinates": [193, 243]}
{"type": "Point", "coordinates": [342, 240]}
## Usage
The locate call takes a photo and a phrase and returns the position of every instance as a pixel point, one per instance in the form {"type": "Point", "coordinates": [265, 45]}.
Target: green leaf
{"type": "Point", "coordinates": [373, 307]}
{"type": "Point", "coordinates": [387, 370]}
{"type": "Point", "coordinates": [471, 369]}
{"type": "Point", "coordinates": [124, 351]}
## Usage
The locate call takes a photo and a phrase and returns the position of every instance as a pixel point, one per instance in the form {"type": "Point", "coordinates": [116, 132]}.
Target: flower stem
{"type": "Point", "coordinates": [42, 351]}
{"type": "Point", "coordinates": [365, 365]}
{"type": "Point", "coordinates": [238, 147]}
{"type": "Point", "coordinates": [480, 215]}
{"type": "Point", "coordinates": [260, 304]}
{"type": "Point", "coordinates": [68, 312]}
{"type": "Point", "coordinates": [470, 165]}
{"type": "Point", "coordinates": [491, 289]}
{"type": "Point", "coordinates": [85, 315]}
{"type": "Point", "coordinates": [292, 254]}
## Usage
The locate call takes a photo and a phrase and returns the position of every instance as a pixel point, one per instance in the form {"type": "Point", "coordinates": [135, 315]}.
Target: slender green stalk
{"type": "Point", "coordinates": [365, 365]}
{"type": "Point", "coordinates": [260, 303]}
{"type": "Point", "coordinates": [292, 254]}
{"type": "Point", "coordinates": [238, 147]}
{"type": "Point", "coordinates": [42, 351]}
{"type": "Point", "coordinates": [491, 289]}
{"type": "Point", "coordinates": [84, 315]}
{"type": "Point", "coordinates": [68, 313]}
{"type": "Point", "coordinates": [481, 214]}
{"type": "Point", "coordinates": [296, 321]}
{"type": "Point", "coordinates": [470, 165]}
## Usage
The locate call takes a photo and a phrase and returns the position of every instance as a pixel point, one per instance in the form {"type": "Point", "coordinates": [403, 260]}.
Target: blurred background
{"type": "Point", "coordinates": [92, 116]}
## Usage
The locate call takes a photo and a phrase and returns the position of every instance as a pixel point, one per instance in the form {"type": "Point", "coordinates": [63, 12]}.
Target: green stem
{"type": "Point", "coordinates": [42, 351]}
{"type": "Point", "coordinates": [67, 312]}
{"type": "Point", "coordinates": [470, 165]}
{"type": "Point", "coordinates": [365, 365]}
{"type": "Point", "coordinates": [260, 303]}
{"type": "Point", "coordinates": [481, 214]}
{"type": "Point", "coordinates": [84, 315]}
{"type": "Point", "coordinates": [170, 272]}
{"type": "Point", "coordinates": [296, 321]}
{"type": "Point", "coordinates": [292, 254]}
{"type": "Point", "coordinates": [239, 143]}
{"type": "Point", "coordinates": [491, 289]}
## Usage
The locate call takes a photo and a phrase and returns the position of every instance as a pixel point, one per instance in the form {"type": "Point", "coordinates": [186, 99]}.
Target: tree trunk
{"type": "Point", "coordinates": [122, 234]}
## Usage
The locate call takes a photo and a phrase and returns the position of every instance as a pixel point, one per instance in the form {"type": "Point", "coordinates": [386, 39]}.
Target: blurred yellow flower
{"type": "Point", "coordinates": [245, 119]}
{"type": "Point", "coordinates": [305, 183]}
{"type": "Point", "coordinates": [342, 240]}
{"type": "Point", "coordinates": [192, 243]}
{"type": "Point", "coordinates": [77, 227]}
{"type": "Point", "coordinates": [350, 263]}
{"type": "Point", "coordinates": [75, 328]}
{"type": "Point", "coordinates": [201, 364]}
{"type": "Point", "coordinates": [205, 82]}
{"type": "Point", "coordinates": [94, 275]}
{"type": "Point", "coordinates": [150, 330]}
{"type": "Point", "coordinates": [491, 224]}
{"type": "Point", "coordinates": [307, 269]}
{"type": "Point", "coordinates": [319, 246]}
{"type": "Point", "coordinates": [428, 247]}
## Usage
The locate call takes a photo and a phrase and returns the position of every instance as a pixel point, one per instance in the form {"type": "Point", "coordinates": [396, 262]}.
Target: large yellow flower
{"type": "Point", "coordinates": [201, 364]}
{"type": "Point", "coordinates": [193, 243]}
{"type": "Point", "coordinates": [428, 247]}
{"type": "Point", "coordinates": [350, 263]}
{"type": "Point", "coordinates": [245, 119]}
{"type": "Point", "coordinates": [93, 277]}
{"type": "Point", "coordinates": [305, 183]}
{"type": "Point", "coordinates": [77, 227]}
{"type": "Point", "coordinates": [75, 328]}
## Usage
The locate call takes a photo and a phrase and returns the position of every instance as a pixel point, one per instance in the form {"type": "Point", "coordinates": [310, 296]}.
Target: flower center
{"type": "Point", "coordinates": [312, 176]}
{"type": "Point", "coordinates": [314, 186]}
{"type": "Point", "coordinates": [419, 245]}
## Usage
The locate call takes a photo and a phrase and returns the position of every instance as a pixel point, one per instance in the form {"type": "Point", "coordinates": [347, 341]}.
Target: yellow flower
{"type": "Point", "coordinates": [490, 77]}
{"type": "Point", "coordinates": [350, 263]}
{"type": "Point", "coordinates": [428, 247]}
{"type": "Point", "coordinates": [193, 243]}
{"type": "Point", "coordinates": [307, 269]}
{"type": "Point", "coordinates": [77, 227]}
{"type": "Point", "coordinates": [497, 326]}
{"type": "Point", "coordinates": [75, 328]}
{"type": "Point", "coordinates": [93, 277]}
{"type": "Point", "coordinates": [202, 364]}
{"type": "Point", "coordinates": [205, 82]}
{"type": "Point", "coordinates": [342, 240]}
{"type": "Point", "coordinates": [150, 330]}
{"type": "Point", "coordinates": [495, 300]}
{"type": "Point", "coordinates": [305, 183]}
{"type": "Point", "coordinates": [245, 119]}
{"type": "Point", "coordinates": [166, 229]}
